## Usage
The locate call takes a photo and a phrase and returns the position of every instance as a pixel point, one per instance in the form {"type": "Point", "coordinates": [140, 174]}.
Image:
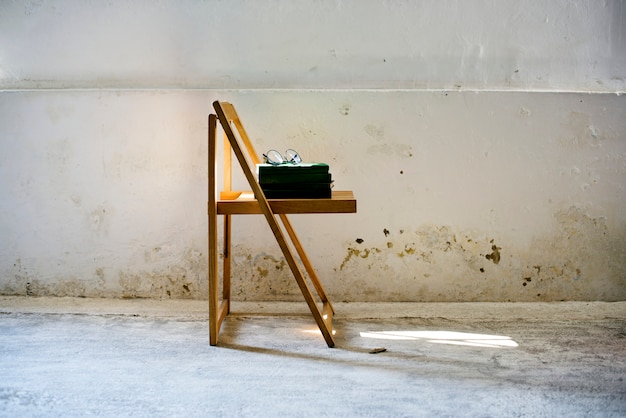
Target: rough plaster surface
{"type": "Point", "coordinates": [571, 45]}
{"type": "Point", "coordinates": [105, 357]}
{"type": "Point", "coordinates": [461, 195]}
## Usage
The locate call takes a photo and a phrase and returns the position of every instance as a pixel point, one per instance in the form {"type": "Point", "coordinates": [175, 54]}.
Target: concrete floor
{"type": "Point", "coordinates": [79, 357]}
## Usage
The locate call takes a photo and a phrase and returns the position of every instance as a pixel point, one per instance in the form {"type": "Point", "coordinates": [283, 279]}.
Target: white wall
{"type": "Point", "coordinates": [462, 127]}
{"type": "Point", "coordinates": [511, 44]}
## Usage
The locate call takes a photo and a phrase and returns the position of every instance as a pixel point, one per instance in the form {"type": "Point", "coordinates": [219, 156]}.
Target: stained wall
{"type": "Point", "coordinates": [486, 144]}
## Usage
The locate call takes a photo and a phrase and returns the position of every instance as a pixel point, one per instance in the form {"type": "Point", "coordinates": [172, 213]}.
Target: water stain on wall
{"type": "Point", "coordinates": [578, 260]}
{"type": "Point", "coordinates": [583, 133]}
{"type": "Point", "coordinates": [101, 279]}
{"type": "Point", "coordinates": [582, 261]}
{"type": "Point", "coordinates": [23, 282]}
{"type": "Point", "coordinates": [399, 150]}
{"type": "Point", "coordinates": [376, 132]}
{"type": "Point", "coordinates": [58, 155]}
{"type": "Point", "coordinates": [262, 274]}
{"type": "Point", "coordinates": [184, 280]}
{"type": "Point", "coordinates": [187, 278]}
{"type": "Point", "coordinates": [97, 220]}
{"type": "Point", "coordinates": [356, 252]}
{"type": "Point", "coordinates": [345, 110]}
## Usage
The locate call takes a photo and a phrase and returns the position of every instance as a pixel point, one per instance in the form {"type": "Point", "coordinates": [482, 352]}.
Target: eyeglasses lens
{"type": "Point", "coordinates": [274, 157]}
{"type": "Point", "coordinates": [293, 156]}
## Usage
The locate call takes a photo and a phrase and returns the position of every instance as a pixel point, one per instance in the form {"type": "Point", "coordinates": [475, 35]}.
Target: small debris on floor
{"type": "Point", "coordinates": [378, 350]}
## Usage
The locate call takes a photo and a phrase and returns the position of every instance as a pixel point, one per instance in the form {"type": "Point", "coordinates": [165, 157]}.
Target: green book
{"type": "Point", "coordinates": [298, 194]}
{"type": "Point", "coordinates": [290, 169]}
{"type": "Point", "coordinates": [296, 186]}
{"type": "Point", "coordinates": [295, 178]}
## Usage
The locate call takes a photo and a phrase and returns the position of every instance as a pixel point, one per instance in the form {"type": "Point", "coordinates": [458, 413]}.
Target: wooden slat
{"type": "Point", "coordinates": [229, 195]}
{"type": "Point", "coordinates": [327, 316]}
{"type": "Point", "coordinates": [228, 166]}
{"type": "Point", "coordinates": [327, 312]}
{"type": "Point", "coordinates": [228, 110]}
{"type": "Point", "coordinates": [223, 310]}
{"type": "Point", "coordinates": [226, 262]}
{"type": "Point", "coordinates": [341, 202]}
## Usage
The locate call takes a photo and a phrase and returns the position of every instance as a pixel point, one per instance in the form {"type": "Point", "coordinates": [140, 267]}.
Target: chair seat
{"type": "Point", "coordinates": [245, 204]}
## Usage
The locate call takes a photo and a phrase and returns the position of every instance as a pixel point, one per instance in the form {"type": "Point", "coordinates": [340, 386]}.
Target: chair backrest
{"type": "Point", "coordinates": [234, 139]}
{"type": "Point", "coordinates": [231, 116]}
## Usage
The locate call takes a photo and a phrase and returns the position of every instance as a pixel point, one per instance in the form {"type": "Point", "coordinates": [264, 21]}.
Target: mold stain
{"type": "Point", "coordinates": [355, 252]}
{"type": "Point", "coordinates": [408, 250]}
{"type": "Point", "coordinates": [495, 255]}
{"type": "Point", "coordinates": [262, 276]}
{"type": "Point", "coordinates": [29, 289]}
{"type": "Point", "coordinates": [100, 276]}
{"type": "Point", "coordinates": [182, 280]}
{"type": "Point", "coordinates": [351, 252]}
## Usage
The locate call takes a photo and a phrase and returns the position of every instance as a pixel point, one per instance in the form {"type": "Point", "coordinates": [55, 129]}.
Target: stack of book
{"type": "Point", "coordinates": [295, 181]}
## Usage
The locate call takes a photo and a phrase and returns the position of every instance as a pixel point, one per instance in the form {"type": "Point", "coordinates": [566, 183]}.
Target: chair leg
{"type": "Point", "coordinates": [226, 270]}
{"type": "Point", "coordinates": [213, 286]}
{"type": "Point", "coordinates": [212, 236]}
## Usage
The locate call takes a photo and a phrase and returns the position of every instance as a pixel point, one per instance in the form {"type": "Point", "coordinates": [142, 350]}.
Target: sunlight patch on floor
{"type": "Point", "coordinates": [445, 337]}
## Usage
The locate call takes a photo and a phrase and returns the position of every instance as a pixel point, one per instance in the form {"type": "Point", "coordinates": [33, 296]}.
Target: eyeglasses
{"type": "Point", "coordinates": [274, 157]}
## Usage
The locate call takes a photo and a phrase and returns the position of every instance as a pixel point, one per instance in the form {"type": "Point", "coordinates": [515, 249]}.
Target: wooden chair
{"type": "Point", "coordinates": [232, 202]}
